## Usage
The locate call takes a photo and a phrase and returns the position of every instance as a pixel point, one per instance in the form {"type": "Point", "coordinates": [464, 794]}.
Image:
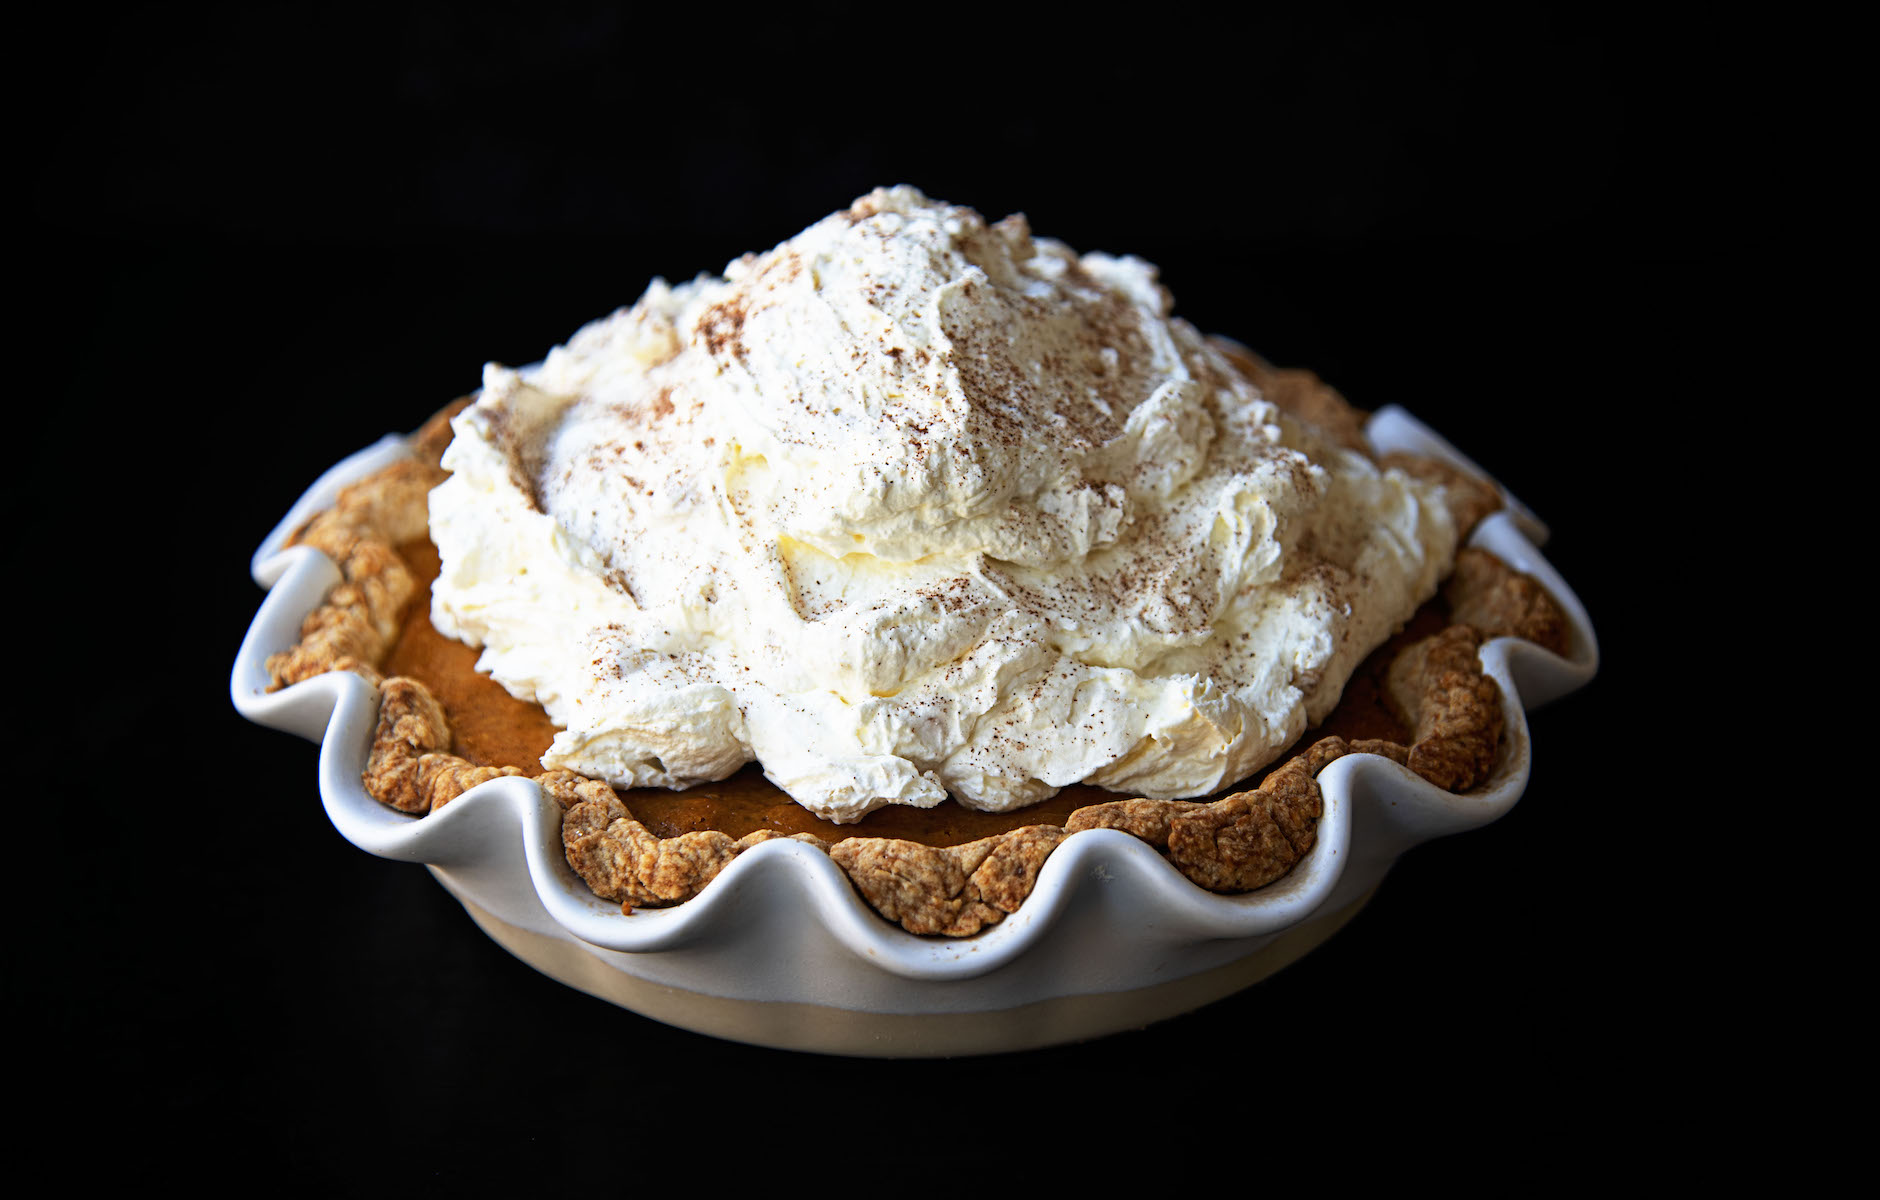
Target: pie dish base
{"type": "Point", "coordinates": [827, 1029]}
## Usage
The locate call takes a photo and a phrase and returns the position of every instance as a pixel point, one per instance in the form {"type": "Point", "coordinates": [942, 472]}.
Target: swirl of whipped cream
{"type": "Point", "coordinates": [912, 505]}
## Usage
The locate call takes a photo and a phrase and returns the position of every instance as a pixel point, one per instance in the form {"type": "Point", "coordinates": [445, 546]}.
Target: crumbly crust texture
{"type": "Point", "coordinates": [355, 627]}
{"type": "Point", "coordinates": [1451, 708]}
{"type": "Point", "coordinates": [1236, 844]}
{"type": "Point", "coordinates": [1487, 594]}
{"type": "Point", "coordinates": [620, 859]}
{"type": "Point", "coordinates": [953, 891]}
{"type": "Point", "coordinates": [410, 767]}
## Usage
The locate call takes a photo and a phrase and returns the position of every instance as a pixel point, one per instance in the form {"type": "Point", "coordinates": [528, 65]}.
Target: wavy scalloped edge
{"type": "Point", "coordinates": [483, 830]}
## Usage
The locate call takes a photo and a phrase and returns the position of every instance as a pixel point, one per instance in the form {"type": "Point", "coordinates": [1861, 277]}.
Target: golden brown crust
{"type": "Point", "coordinates": [1488, 594]}
{"type": "Point", "coordinates": [1145, 820]}
{"type": "Point", "coordinates": [445, 777]}
{"type": "Point", "coordinates": [568, 789]}
{"type": "Point", "coordinates": [389, 505]}
{"type": "Point", "coordinates": [408, 766]}
{"type": "Point", "coordinates": [334, 637]}
{"type": "Point", "coordinates": [951, 891]}
{"type": "Point", "coordinates": [411, 725]}
{"type": "Point", "coordinates": [1452, 708]}
{"type": "Point", "coordinates": [1396, 752]}
{"type": "Point", "coordinates": [355, 626]}
{"type": "Point", "coordinates": [1236, 844]}
{"type": "Point", "coordinates": [619, 859]}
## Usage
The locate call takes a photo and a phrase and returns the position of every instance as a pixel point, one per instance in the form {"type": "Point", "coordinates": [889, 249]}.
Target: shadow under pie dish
{"type": "Point", "coordinates": [955, 931]}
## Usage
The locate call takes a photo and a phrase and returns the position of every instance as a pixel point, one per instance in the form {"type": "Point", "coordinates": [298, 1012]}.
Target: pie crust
{"type": "Point", "coordinates": [1433, 685]}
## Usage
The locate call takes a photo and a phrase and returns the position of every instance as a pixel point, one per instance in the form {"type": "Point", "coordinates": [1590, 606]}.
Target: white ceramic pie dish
{"type": "Point", "coordinates": [780, 950]}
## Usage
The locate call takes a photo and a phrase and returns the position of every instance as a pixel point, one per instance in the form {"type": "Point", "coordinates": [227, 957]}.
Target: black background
{"type": "Point", "coordinates": [262, 239]}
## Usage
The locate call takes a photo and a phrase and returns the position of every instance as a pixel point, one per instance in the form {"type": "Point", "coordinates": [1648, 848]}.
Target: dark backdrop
{"type": "Point", "coordinates": [260, 240]}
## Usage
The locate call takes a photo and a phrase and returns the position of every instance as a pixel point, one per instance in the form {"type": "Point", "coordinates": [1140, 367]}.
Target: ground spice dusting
{"type": "Point", "coordinates": [722, 327]}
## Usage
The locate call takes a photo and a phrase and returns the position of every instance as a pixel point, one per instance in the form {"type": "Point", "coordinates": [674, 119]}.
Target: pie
{"type": "Point", "coordinates": [1421, 700]}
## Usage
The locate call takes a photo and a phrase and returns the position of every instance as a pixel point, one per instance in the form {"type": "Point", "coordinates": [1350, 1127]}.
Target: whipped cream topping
{"type": "Point", "coordinates": [913, 505]}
